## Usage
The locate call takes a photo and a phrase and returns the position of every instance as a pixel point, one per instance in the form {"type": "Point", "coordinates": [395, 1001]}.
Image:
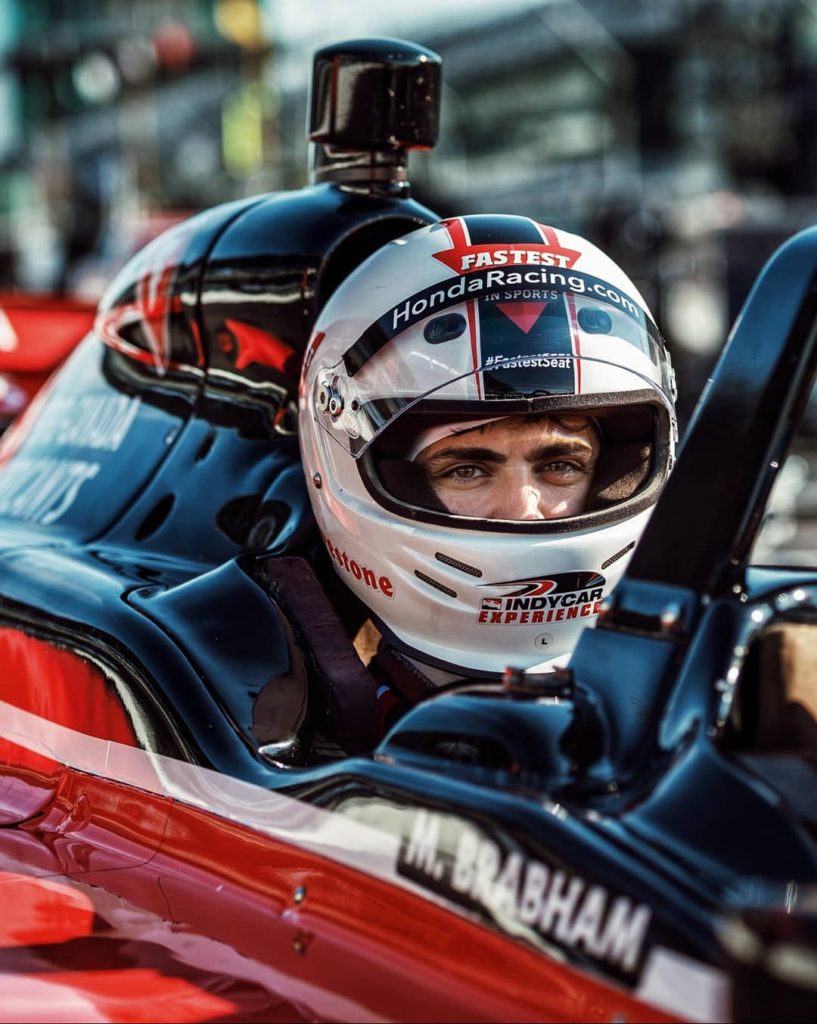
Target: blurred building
{"type": "Point", "coordinates": [681, 135]}
{"type": "Point", "coordinates": [123, 116]}
{"type": "Point", "coordinates": [678, 134]}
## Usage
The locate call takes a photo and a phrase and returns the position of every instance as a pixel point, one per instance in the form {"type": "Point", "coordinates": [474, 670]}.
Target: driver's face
{"type": "Point", "coordinates": [515, 468]}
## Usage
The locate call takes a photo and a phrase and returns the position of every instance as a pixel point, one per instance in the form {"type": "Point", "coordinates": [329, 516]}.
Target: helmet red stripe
{"type": "Point", "coordinates": [473, 329]}
{"type": "Point", "coordinates": [547, 233]}
{"type": "Point", "coordinates": [457, 232]}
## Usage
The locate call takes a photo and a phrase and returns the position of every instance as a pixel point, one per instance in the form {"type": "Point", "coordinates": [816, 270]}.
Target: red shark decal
{"type": "Point", "coordinates": [258, 346]}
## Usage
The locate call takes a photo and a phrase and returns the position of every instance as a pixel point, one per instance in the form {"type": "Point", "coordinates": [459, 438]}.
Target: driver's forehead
{"type": "Point", "coordinates": [515, 433]}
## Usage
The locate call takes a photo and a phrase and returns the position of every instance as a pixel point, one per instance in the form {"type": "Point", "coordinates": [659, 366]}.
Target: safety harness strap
{"type": "Point", "coordinates": [351, 690]}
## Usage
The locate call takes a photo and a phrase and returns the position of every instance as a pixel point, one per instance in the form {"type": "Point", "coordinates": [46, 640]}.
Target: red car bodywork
{"type": "Point", "coordinates": [137, 887]}
{"type": "Point", "coordinates": [37, 333]}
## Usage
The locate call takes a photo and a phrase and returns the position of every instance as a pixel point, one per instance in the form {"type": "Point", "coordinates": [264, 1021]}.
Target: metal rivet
{"type": "Point", "coordinates": [299, 895]}
{"type": "Point", "coordinates": [301, 942]}
{"type": "Point", "coordinates": [317, 481]}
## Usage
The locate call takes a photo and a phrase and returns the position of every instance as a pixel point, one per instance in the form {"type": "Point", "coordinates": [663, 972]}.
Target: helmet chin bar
{"type": "Point", "coordinates": [424, 658]}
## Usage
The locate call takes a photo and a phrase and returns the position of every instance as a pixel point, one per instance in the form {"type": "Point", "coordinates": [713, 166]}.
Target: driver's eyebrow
{"type": "Point", "coordinates": [557, 450]}
{"type": "Point", "coordinates": [463, 452]}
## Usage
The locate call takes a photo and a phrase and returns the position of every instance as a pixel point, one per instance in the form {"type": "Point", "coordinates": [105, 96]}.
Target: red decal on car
{"type": "Point", "coordinates": [258, 346]}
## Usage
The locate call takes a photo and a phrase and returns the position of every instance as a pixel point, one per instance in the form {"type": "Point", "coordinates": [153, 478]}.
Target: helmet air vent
{"type": "Point", "coordinates": [434, 583]}
{"type": "Point", "coordinates": [455, 564]}
{"type": "Point", "coordinates": [618, 554]}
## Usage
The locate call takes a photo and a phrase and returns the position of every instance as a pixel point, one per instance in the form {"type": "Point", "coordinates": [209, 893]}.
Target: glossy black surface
{"type": "Point", "coordinates": [375, 94]}
{"type": "Point", "coordinates": [164, 453]}
{"type": "Point", "coordinates": [189, 450]}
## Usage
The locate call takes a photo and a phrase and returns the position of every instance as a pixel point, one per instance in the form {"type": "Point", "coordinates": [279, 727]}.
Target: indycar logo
{"type": "Point", "coordinates": [538, 599]}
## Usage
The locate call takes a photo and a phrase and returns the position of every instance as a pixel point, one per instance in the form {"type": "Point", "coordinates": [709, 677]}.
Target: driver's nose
{"type": "Point", "coordinates": [523, 501]}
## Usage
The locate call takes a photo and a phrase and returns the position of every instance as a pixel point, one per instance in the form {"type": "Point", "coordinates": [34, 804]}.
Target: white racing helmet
{"type": "Point", "coordinates": [461, 323]}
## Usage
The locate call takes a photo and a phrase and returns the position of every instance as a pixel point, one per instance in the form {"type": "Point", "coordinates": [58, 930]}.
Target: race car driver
{"type": "Point", "coordinates": [486, 419]}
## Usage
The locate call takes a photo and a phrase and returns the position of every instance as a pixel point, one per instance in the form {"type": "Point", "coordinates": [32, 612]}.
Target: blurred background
{"type": "Point", "coordinates": [679, 135]}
